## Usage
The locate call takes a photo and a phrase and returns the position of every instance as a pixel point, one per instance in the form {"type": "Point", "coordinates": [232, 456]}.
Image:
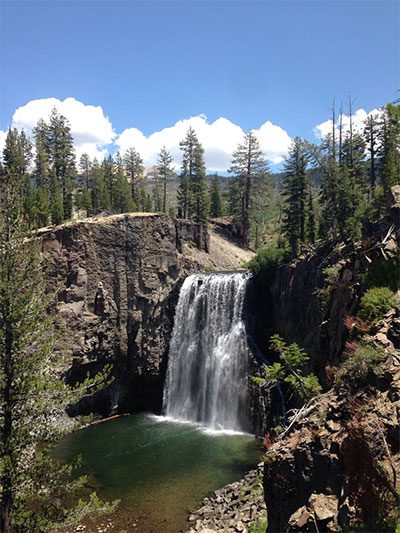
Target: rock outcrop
{"type": "Point", "coordinates": [337, 465]}
{"type": "Point", "coordinates": [314, 293]}
{"type": "Point", "coordinates": [117, 280]}
{"type": "Point", "coordinates": [233, 508]}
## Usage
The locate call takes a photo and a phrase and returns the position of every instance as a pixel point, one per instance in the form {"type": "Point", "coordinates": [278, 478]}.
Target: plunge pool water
{"type": "Point", "coordinates": [159, 469]}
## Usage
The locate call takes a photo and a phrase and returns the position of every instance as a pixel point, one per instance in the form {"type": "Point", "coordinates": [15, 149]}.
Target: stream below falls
{"type": "Point", "coordinates": [159, 469]}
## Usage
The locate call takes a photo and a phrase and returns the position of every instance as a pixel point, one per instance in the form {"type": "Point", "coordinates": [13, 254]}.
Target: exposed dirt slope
{"type": "Point", "coordinates": [225, 252]}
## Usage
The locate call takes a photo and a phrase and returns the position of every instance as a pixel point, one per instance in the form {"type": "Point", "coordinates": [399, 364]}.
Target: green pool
{"type": "Point", "coordinates": [160, 470]}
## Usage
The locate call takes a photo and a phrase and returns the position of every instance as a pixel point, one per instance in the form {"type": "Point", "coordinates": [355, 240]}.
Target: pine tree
{"type": "Point", "coordinates": [134, 171]}
{"type": "Point", "coordinates": [187, 171]}
{"type": "Point", "coordinates": [192, 191]}
{"type": "Point", "coordinates": [248, 167]}
{"type": "Point", "coordinates": [42, 174]}
{"type": "Point", "coordinates": [85, 165]}
{"type": "Point", "coordinates": [353, 185]}
{"type": "Point", "coordinates": [108, 169]}
{"type": "Point", "coordinates": [183, 196]}
{"type": "Point", "coordinates": [156, 193]}
{"type": "Point", "coordinates": [83, 198]}
{"type": "Point", "coordinates": [371, 138]}
{"type": "Point", "coordinates": [234, 199]}
{"type": "Point", "coordinates": [144, 201]}
{"type": "Point", "coordinates": [148, 204]}
{"type": "Point", "coordinates": [390, 162]}
{"type": "Point", "coordinates": [165, 173]}
{"type": "Point", "coordinates": [122, 201]}
{"type": "Point", "coordinates": [17, 155]}
{"type": "Point", "coordinates": [100, 192]}
{"type": "Point", "coordinates": [335, 183]}
{"type": "Point", "coordinates": [42, 213]}
{"type": "Point", "coordinates": [56, 204]}
{"type": "Point", "coordinates": [34, 487]}
{"type": "Point", "coordinates": [311, 218]}
{"type": "Point", "coordinates": [215, 197]}
{"type": "Point", "coordinates": [295, 193]}
{"type": "Point", "coordinates": [42, 164]}
{"type": "Point", "coordinates": [199, 196]}
{"type": "Point", "coordinates": [62, 158]}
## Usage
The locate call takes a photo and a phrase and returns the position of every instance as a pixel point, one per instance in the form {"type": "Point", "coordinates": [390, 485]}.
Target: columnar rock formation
{"type": "Point", "coordinates": [117, 280]}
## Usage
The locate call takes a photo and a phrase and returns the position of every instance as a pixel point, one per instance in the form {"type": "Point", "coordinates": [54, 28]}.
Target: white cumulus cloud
{"type": "Point", "coordinates": [358, 123]}
{"type": "Point", "coordinates": [93, 133]}
{"type": "Point", "coordinates": [3, 135]}
{"type": "Point", "coordinates": [90, 127]}
{"type": "Point", "coordinates": [219, 139]}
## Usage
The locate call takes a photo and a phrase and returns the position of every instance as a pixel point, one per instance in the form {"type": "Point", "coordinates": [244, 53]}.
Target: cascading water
{"type": "Point", "coordinates": [208, 360]}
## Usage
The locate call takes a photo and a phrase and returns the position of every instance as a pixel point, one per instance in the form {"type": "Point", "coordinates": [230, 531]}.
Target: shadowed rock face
{"type": "Point", "coordinates": [118, 280]}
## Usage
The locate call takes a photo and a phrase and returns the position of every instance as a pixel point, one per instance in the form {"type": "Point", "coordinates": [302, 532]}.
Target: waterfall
{"type": "Point", "coordinates": [208, 360]}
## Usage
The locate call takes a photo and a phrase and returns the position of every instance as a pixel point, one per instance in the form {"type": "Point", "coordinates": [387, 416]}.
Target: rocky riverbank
{"type": "Point", "coordinates": [234, 508]}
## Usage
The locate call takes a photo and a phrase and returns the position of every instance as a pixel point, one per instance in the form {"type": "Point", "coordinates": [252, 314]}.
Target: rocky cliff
{"type": "Point", "coordinates": [313, 294]}
{"type": "Point", "coordinates": [336, 466]}
{"type": "Point", "coordinates": [117, 280]}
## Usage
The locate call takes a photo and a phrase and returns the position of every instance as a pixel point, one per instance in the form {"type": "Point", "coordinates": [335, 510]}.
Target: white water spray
{"type": "Point", "coordinates": [208, 360]}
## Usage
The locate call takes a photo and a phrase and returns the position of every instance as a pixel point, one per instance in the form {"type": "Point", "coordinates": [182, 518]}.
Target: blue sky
{"type": "Point", "coordinates": [150, 64]}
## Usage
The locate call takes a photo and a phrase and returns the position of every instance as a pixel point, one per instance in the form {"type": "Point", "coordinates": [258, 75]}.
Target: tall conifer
{"type": "Point", "coordinates": [249, 168]}
{"type": "Point", "coordinates": [165, 173]}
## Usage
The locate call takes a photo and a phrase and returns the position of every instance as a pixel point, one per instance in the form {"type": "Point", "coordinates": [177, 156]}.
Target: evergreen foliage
{"type": "Point", "coordinates": [324, 191]}
{"type": "Point", "coordinates": [134, 170]}
{"type": "Point", "coordinates": [265, 264]}
{"type": "Point", "coordinates": [42, 163]}
{"type": "Point", "coordinates": [365, 361]}
{"type": "Point", "coordinates": [291, 369]}
{"type": "Point", "coordinates": [248, 167]}
{"type": "Point", "coordinates": [34, 488]}
{"type": "Point", "coordinates": [375, 303]}
{"type": "Point", "coordinates": [62, 158]}
{"type": "Point", "coordinates": [383, 273]}
{"type": "Point", "coordinates": [297, 196]}
{"type": "Point", "coordinates": [216, 209]}
{"type": "Point", "coordinates": [165, 173]}
{"type": "Point", "coordinates": [192, 191]}
{"type": "Point", "coordinates": [390, 164]}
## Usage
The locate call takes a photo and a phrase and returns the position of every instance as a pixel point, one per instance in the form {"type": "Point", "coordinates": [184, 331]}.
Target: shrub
{"type": "Point", "coordinates": [260, 526]}
{"type": "Point", "coordinates": [290, 369]}
{"type": "Point", "coordinates": [366, 360]}
{"type": "Point", "coordinates": [375, 303]}
{"type": "Point", "coordinates": [267, 261]}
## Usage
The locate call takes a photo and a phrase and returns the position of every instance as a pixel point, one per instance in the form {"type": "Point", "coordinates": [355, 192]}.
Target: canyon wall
{"type": "Point", "coordinates": [117, 280]}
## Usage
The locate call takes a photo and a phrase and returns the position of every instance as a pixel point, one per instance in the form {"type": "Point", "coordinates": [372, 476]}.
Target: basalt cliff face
{"type": "Point", "coordinates": [337, 464]}
{"type": "Point", "coordinates": [313, 294]}
{"type": "Point", "coordinates": [117, 280]}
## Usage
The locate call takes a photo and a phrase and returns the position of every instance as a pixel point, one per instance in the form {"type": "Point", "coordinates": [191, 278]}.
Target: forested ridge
{"type": "Point", "coordinates": [324, 190]}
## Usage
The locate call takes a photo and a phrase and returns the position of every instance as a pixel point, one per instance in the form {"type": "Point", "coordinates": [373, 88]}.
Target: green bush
{"type": "Point", "coordinates": [291, 369]}
{"type": "Point", "coordinates": [366, 360]}
{"type": "Point", "coordinates": [260, 526]}
{"type": "Point", "coordinates": [267, 261]}
{"type": "Point", "coordinates": [375, 303]}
